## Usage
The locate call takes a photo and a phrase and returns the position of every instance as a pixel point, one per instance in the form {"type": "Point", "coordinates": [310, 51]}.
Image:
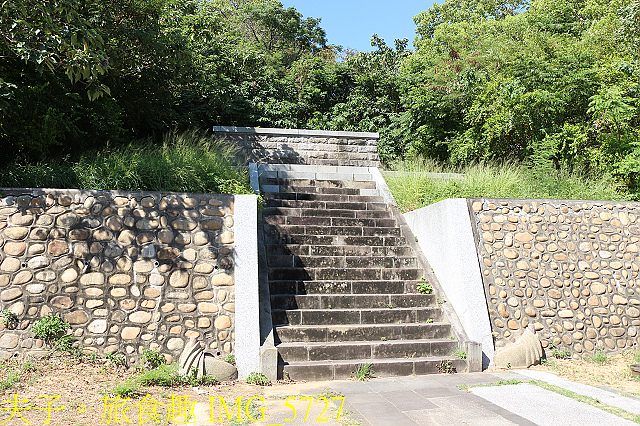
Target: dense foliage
{"type": "Point", "coordinates": [553, 84]}
{"type": "Point", "coordinates": [189, 161]}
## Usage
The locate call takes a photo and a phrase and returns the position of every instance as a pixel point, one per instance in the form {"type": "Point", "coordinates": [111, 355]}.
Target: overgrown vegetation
{"type": "Point", "coordinates": [190, 161]}
{"type": "Point", "coordinates": [51, 328]}
{"type": "Point", "coordinates": [415, 187]}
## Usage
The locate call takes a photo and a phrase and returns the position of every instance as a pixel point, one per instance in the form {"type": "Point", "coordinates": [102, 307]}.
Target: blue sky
{"type": "Point", "coordinates": [351, 23]}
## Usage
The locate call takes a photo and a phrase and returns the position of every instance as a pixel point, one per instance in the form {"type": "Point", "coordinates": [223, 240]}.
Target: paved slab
{"type": "Point", "coordinates": [436, 400]}
{"type": "Point", "coordinates": [604, 396]}
{"type": "Point", "coordinates": [546, 407]}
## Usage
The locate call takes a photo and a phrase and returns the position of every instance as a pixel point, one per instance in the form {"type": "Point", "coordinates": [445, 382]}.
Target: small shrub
{"type": "Point", "coordinates": [231, 359]}
{"type": "Point", "coordinates": [446, 366]}
{"type": "Point", "coordinates": [636, 358]}
{"type": "Point", "coordinates": [116, 359]}
{"type": "Point", "coordinates": [128, 389]}
{"type": "Point", "coordinates": [152, 359]}
{"type": "Point", "coordinates": [29, 366]}
{"type": "Point", "coordinates": [363, 372]}
{"type": "Point", "coordinates": [460, 354]}
{"type": "Point", "coordinates": [65, 344]}
{"type": "Point", "coordinates": [9, 318]}
{"type": "Point", "coordinates": [163, 375]}
{"type": "Point", "coordinates": [205, 380]}
{"type": "Point", "coordinates": [258, 379]}
{"type": "Point", "coordinates": [50, 328]}
{"type": "Point", "coordinates": [425, 288]}
{"type": "Point", "coordinates": [11, 381]}
{"type": "Point", "coordinates": [599, 357]}
{"type": "Point", "coordinates": [563, 354]}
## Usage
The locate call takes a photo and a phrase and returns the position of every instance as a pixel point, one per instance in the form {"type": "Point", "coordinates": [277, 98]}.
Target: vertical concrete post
{"type": "Point", "coordinates": [246, 285]}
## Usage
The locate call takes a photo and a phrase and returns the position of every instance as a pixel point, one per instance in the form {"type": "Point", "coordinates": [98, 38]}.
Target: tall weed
{"type": "Point", "coordinates": [416, 187]}
{"type": "Point", "coordinates": [190, 161]}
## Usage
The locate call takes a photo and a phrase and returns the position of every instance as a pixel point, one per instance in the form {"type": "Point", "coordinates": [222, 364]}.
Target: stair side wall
{"type": "Point", "coordinates": [445, 235]}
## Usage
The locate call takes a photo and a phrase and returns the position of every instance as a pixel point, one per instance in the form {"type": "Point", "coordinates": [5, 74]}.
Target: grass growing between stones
{"type": "Point", "coordinates": [417, 189]}
{"type": "Point", "coordinates": [190, 161]}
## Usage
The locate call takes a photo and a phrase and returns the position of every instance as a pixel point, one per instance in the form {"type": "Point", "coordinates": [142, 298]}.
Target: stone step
{"type": "Point", "coordinates": [326, 205]}
{"type": "Point", "coordinates": [340, 370]}
{"type": "Point", "coordinates": [333, 240]}
{"type": "Point", "coordinates": [329, 221]}
{"type": "Point", "coordinates": [355, 316]}
{"type": "Point", "coordinates": [321, 351]}
{"type": "Point", "coordinates": [332, 230]}
{"type": "Point", "coordinates": [342, 287]}
{"type": "Point", "coordinates": [322, 197]}
{"type": "Point", "coordinates": [315, 189]}
{"type": "Point", "coordinates": [306, 183]}
{"type": "Point", "coordinates": [321, 274]}
{"type": "Point", "coordinates": [351, 301]}
{"type": "Point", "coordinates": [319, 250]}
{"type": "Point", "coordinates": [293, 261]}
{"type": "Point", "coordinates": [364, 332]}
{"type": "Point", "coordinates": [313, 212]}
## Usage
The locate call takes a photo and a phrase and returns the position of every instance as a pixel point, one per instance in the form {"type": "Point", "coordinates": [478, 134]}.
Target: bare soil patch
{"type": "Point", "coordinates": [614, 372]}
{"type": "Point", "coordinates": [84, 387]}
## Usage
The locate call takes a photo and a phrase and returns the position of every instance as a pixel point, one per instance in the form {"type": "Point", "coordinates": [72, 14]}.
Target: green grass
{"type": "Point", "coordinates": [13, 378]}
{"type": "Point", "coordinates": [260, 379]}
{"type": "Point", "coordinates": [417, 189]}
{"type": "Point", "coordinates": [599, 357]}
{"type": "Point", "coordinates": [363, 372]}
{"type": "Point", "coordinates": [191, 161]}
{"type": "Point", "coordinates": [425, 288]}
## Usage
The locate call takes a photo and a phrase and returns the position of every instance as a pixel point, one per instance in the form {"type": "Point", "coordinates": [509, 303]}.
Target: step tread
{"type": "Point", "coordinates": [358, 309]}
{"type": "Point", "coordinates": [365, 343]}
{"type": "Point", "coordinates": [351, 326]}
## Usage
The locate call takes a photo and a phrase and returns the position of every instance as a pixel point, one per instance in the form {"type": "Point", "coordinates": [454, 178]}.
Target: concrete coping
{"type": "Point", "coordinates": [452, 176]}
{"type": "Point", "coordinates": [294, 132]}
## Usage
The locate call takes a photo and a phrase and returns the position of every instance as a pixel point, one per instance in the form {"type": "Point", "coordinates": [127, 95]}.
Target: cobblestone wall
{"type": "Point", "coordinates": [568, 267]}
{"type": "Point", "coordinates": [314, 147]}
{"type": "Point", "coordinates": [126, 270]}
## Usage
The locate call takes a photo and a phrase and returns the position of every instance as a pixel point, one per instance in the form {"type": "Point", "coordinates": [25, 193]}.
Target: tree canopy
{"type": "Point", "coordinates": [552, 83]}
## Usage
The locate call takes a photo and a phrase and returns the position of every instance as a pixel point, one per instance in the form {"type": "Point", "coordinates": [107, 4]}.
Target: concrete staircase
{"type": "Point", "coordinates": [343, 279]}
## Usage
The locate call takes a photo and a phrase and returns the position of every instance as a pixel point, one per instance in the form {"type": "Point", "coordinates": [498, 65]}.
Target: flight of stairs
{"type": "Point", "coordinates": [343, 283]}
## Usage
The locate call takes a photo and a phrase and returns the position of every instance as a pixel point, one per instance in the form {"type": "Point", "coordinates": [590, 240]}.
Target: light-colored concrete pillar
{"type": "Point", "coordinates": [246, 285]}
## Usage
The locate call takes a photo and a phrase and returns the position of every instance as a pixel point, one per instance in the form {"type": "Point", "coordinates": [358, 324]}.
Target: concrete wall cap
{"type": "Point", "coordinates": [294, 132]}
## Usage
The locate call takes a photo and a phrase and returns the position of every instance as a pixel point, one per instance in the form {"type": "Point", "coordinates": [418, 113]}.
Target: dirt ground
{"type": "Point", "coordinates": [64, 390]}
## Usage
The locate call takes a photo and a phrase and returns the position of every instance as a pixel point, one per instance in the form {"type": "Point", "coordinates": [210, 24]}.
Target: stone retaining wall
{"type": "Point", "coordinates": [297, 146]}
{"type": "Point", "coordinates": [570, 268]}
{"type": "Point", "coordinates": [127, 270]}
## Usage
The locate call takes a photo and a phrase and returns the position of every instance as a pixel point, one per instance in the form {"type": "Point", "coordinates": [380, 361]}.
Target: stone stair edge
{"type": "Point", "coordinates": [313, 167]}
